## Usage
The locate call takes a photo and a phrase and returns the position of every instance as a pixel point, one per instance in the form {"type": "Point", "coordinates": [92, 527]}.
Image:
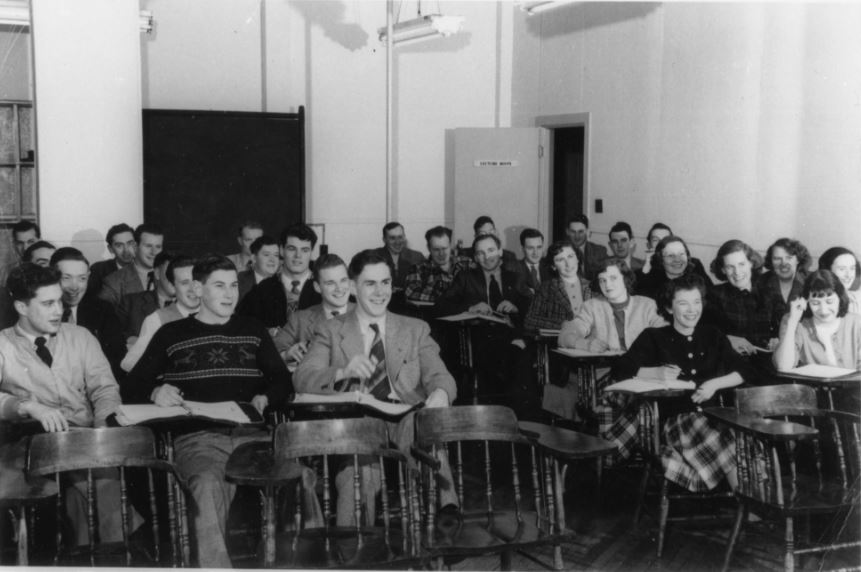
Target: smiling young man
{"type": "Point", "coordinates": [274, 299]}
{"type": "Point", "coordinates": [532, 269]}
{"type": "Point", "coordinates": [387, 355]}
{"type": "Point", "coordinates": [428, 280]}
{"type": "Point", "coordinates": [265, 262]}
{"type": "Point", "coordinates": [333, 284]}
{"type": "Point", "coordinates": [137, 276]}
{"type": "Point", "coordinates": [137, 306]}
{"type": "Point", "coordinates": [397, 255]}
{"type": "Point", "coordinates": [212, 356]}
{"type": "Point", "coordinates": [623, 246]}
{"type": "Point", "coordinates": [121, 244]}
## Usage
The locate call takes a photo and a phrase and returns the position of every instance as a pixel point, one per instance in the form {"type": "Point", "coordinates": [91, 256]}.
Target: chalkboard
{"type": "Point", "coordinates": [207, 171]}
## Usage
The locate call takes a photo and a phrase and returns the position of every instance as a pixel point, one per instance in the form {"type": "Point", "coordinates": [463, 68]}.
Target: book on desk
{"type": "Point", "coordinates": [639, 385]}
{"type": "Point", "coordinates": [229, 412]}
{"type": "Point", "coordinates": [359, 398]}
{"type": "Point", "coordinates": [575, 353]}
{"type": "Point", "coordinates": [466, 316]}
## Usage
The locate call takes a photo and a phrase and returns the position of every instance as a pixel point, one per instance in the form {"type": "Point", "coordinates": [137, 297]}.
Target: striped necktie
{"type": "Point", "coordinates": [379, 382]}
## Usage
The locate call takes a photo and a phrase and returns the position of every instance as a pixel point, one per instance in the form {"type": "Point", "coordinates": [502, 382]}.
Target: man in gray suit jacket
{"type": "Point", "coordinates": [390, 356]}
{"type": "Point", "coordinates": [589, 254]}
{"type": "Point", "coordinates": [137, 276]}
{"type": "Point", "coordinates": [622, 245]}
{"type": "Point", "coordinates": [396, 253]}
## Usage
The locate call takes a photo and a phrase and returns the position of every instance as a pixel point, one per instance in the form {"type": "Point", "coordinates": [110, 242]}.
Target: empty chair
{"type": "Point", "coordinates": [96, 463]}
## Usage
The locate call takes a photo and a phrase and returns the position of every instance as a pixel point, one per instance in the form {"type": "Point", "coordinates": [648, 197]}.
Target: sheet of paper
{"type": "Point", "coordinates": [571, 352]}
{"type": "Point", "coordinates": [636, 385]}
{"type": "Point", "coordinates": [464, 316]}
{"type": "Point", "coordinates": [225, 410]}
{"type": "Point", "coordinates": [135, 414]}
{"type": "Point", "coordinates": [357, 397]}
{"type": "Point", "coordinates": [821, 371]}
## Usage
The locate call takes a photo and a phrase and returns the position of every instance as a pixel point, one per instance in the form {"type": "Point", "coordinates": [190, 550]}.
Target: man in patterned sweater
{"type": "Point", "coordinates": [214, 356]}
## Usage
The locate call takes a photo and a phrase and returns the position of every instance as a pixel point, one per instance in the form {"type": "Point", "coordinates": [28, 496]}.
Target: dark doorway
{"type": "Point", "coordinates": [569, 150]}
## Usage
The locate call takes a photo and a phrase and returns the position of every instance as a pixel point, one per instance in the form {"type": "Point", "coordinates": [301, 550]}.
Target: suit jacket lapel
{"type": "Point", "coordinates": [396, 347]}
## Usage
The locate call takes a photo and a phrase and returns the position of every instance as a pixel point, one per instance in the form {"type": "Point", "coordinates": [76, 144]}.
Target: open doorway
{"type": "Point", "coordinates": [568, 165]}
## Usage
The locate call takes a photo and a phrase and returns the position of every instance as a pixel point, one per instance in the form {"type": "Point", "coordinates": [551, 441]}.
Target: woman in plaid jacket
{"type": "Point", "coordinates": [560, 298]}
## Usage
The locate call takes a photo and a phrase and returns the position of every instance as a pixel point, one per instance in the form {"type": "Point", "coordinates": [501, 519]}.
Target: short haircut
{"type": "Point", "coordinates": [148, 228]}
{"type": "Point", "coordinates": [68, 253]}
{"type": "Point", "coordinates": [826, 261]}
{"type": "Point", "coordinates": [529, 233]}
{"type": "Point", "coordinates": [262, 241]}
{"type": "Point", "coordinates": [481, 221]}
{"type": "Point", "coordinates": [658, 255]}
{"type": "Point", "coordinates": [25, 226]}
{"type": "Point", "coordinates": [793, 248]}
{"type": "Point", "coordinates": [209, 263]}
{"type": "Point", "coordinates": [482, 237]}
{"type": "Point", "coordinates": [252, 224]}
{"type": "Point", "coordinates": [327, 261]}
{"type": "Point", "coordinates": [823, 283]}
{"type": "Point", "coordinates": [658, 226]}
{"type": "Point", "coordinates": [178, 261]}
{"type": "Point", "coordinates": [36, 246]}
{"type": "Point", "coordinates": [163, 257]}
{"type": "Point", "coordinates": [687, 281]}
{"type": "Point", "coordinates": [728, 248]}
{"type": "Point", "coordinates": [117, 229]}
{"type": "Point", "coordinates": [391, 226]}
{"type": "Point", "coordinates": [621, 226]}
{"type": "Point", "coordinates": [364, 258]}
{"type": "Point", "coordinates": [26, 279]}
{"type": "Point", "coordinates": [300, 231]}
{"type": "Point", "coordinates": [578, 218]}
{"type": "Point", "coordinates": [627, 274]}
{"type": "Point", "coordinates": [437, 232]}
{"type": "Point", "coordinates": [554, 250]}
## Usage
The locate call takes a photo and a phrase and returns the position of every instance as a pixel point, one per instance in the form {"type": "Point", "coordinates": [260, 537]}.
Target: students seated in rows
{"type": "Point", "coordinates": [613, 320]}
{"type": "Point", "coordinates": [589, 254]}
{"type": "Point", "coordinates": [177, 273]}
{"type": "Point", "coordinates": [39, 253]}
{"type": "Point", "coordinates": [428, 280]}
{"type": "Point", "coordinates": [819, 329]}
{"type": "Point", "coordinates": [397, 255]}
{"type": "Point", "coordinates": [121, 244]}
{"type": "Point", "coordinates": [82, 307]}
{"type": "Point", "coordinates": [392, 357]}
{"type": "Point", "coordinates": [333, 285]}
{"type": "Point", "coordinates": [274, 299]}
{"type": "Point", "coordinates": [265, 263]}
{"type": "Point", "coordinates": [658, 232]}
{"type": "Point", "coordinates": [844, 264]}
{"type": "Point", "coordinates": [533, 271]}
{"type": "Point", "coordinates": [788, 263]}
{"type": "Point", "coordinates": [135, 307]}
{"type": "Point", "coordinates": [670, 261]}
{"type": "Point", "coordinates": [697, 455]}
{"type": "Point", "coordinates": [213, 356]}
{"type": "Point", "coordinates": [561, 297]}
{"type": "Point", "coordinates": [484, 225]}
{"type": "Point", "coordinates": [137, 276]}
{"type": "Point", "coordinates": [249, 231]}
{"type": "Point", "coordinates": [56, 373]}
{"type": "Point", "coordinates": [747, 314]}
{"type": "Point", "coordinates": [623, 246]}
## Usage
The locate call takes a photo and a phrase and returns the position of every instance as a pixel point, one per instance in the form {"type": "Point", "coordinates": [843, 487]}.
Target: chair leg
{"type": "Point", "coordinates": [789, 539]}
{"type": "Point", "coordinates": [740, 515]}
{"type": "Point", "coordinates": [505, 560]}
{"type": "Point", "coordinates": [641, 492]}
{"type": "Point", "coordinates": [665, 511]}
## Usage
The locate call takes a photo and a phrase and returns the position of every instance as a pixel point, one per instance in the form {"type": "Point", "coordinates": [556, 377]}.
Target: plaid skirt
{"type": "Point", "coordinates": [696, 454]}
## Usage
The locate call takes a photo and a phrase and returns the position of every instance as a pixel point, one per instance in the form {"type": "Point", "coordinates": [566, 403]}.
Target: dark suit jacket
{"type": "Point", "coordinates": [247, 282]}
{"type": "Point", "coordinates": [120, 284]}
{"type": "Point", "coordinates": [526, 275]}
{"type": "Point", "coordinates": [134, 309]}
{"type": "Point", "coordinates": [407, 259]}
{"type": "Point", "coordinates": [98, 316]}
{"type": "Point", "coordinates": [98, 272]}
{"type": "Point", "coordinates": [593, 256]}
{"type": "Point", "coordinates": [469, 288]}
{"type": "Point", "coordinates": [268, 302]}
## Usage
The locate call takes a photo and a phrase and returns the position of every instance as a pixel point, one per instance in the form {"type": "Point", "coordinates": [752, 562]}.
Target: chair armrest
{"type": "Point", "coordinates": [767, 429]}
{"type": "Point", "coordinates": [564, 443]}
{"type": "Point", "coordinates": [424, 457]}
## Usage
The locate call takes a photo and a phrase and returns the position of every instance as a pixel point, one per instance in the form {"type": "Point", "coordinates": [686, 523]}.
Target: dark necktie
{"type": "Point", "coordinates": [494, 294]}
{"type": "Point", "coordinates": [67, 313]}
{"type": "Point", "coordinates": [379, 381]}
{"type": "Point", "coordinates": [535, 278]}
{"type": "Point", "coordinates": [335, 313]}
{"type": "Point", "coordinates": [167, 303]}
{"type": "Point", "coordinates": [43, 352]}
{"type": "Point", "coordinates": [150, 280]}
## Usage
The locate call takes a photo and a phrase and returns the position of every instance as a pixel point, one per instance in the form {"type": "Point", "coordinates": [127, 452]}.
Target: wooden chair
{"type": "Point", "coordinates": [81, 452]}
{"type": "Point", "coordinates": [793, 460]}
{"type": "Point", "coordinates": [339, 443]}
{"type": "Point", "coordinates": [503, 520]}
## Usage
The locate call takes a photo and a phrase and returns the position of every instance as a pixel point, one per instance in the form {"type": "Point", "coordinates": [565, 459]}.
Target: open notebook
{"type": "Point", "coordinates": [821, 371]}
{"type": "Point", "coordinates": [229, 411]}
{"type": "Point", "coordinates": [637, 385]}
{"type": "Point", "coordinates": [465, 316]}
{"type": "Point", "coordinates": [357, 397]}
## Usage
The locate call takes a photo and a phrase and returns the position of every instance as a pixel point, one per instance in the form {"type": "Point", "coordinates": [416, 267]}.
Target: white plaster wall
{"type": "Point", "coordinates": [725, 121]}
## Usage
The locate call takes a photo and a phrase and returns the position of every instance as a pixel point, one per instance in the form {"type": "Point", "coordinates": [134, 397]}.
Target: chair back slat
{"type": "Point", "coordinates": [773, 400]}
{"type": "Point", "coordinates": [466, 423]}
{"type": "Point", "coordinates": [362, 436]}
{"type": "Point", "coordinates": [488, 484]}
{"type": "Point", "coordinates": [91, 449]}
{"type": "Point", "coordinates": [515, 481]}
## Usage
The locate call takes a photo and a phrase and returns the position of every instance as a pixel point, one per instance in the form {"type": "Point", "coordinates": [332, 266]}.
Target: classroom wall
{"type": "Point", "coordinates": [255, 55]}
{"type": "Point", "coordinates": [725, 121]}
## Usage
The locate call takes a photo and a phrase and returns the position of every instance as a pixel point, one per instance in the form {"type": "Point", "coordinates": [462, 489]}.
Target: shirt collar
{"type": "Point", "coordinates": [287, 281]}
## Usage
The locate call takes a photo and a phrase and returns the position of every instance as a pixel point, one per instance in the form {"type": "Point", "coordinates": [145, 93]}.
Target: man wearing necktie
{"type": "Point", "coordinates": [390, 356]}
{"type": "Point", "coordinates": [135, 277]}
{"type": "Point", "coordinates": [57, 374]}
{"type": "Point", "coordinates": [589, 254]}
{"type": "Point", "coordinates": [531, 268]}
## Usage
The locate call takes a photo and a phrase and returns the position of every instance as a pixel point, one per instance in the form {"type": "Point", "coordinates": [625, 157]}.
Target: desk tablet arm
{"type": "Point", "coordinates": [773, 430]}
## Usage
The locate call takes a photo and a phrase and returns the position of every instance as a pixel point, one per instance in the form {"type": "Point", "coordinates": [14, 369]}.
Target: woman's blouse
{"type": "Point", "coordinates": [752, 314]}
{"type": "Point", "coordinates": [551, 305]}
{"type": "Point", "coordinates": [846, 342]}
{"type": "Point", "coordinates": [854, 301]}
